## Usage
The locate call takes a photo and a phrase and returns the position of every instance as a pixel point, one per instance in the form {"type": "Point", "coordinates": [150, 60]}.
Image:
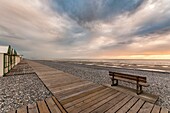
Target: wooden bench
{"type": "Point", "coordinates": [138, 80]}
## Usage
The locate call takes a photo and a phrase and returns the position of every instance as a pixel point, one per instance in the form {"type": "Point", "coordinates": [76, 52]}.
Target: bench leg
{"type": "Point", "coordinates": [113, 82]}
{"type": "Point", "coordinates": [139, 89]}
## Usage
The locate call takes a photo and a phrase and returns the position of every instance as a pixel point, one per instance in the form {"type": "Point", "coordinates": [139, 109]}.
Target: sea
{"type": "Point", "coordinates": [142, 64]}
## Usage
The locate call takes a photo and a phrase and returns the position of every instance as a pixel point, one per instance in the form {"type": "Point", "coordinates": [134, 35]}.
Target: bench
{"type": "Point", "coordinates": [138, 80]}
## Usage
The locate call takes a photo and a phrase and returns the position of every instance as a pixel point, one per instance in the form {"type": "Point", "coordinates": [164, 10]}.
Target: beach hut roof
{"type": "Point", "coordinates": [8, 50]}
{"type": "Point", "coordinates": [4, 49]}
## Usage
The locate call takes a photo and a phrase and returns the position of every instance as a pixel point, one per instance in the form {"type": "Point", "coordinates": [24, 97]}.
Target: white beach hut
{"type": "Point", "coordinates": [8, 59]}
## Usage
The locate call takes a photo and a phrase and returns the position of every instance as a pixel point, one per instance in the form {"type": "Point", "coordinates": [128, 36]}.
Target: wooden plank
{"type": "Point", "coordinates": [156, 109]}
{"type": "Point", "coordinates": [32, 108]}
{"type": "Point", "coordinates": [164, 110]}
{"type": "Point", "coordinates": [119, 105]}
{"type": "Point", "coordinates": [67, 93]}
{"type": "Point", "coordinates": [22, 110]}
{"type": "Point", "coordinates": [42, 107]}
{"type": "Point", "coordinates": [70, 86]}
{"type": "Point", "coordinates": [55, 91]}
{"type": "Point", "coordinates": [78, 98]}
{"type": "Point", "coordinates": [52, 78]}
{"type": "Point", "coordinates": [94, 98]}
{"type": "Point", "coordinates": [59, 83]}
{"type": "Point", "coordinates": [86, 104]}
{"type": "Point", "coordinates": [59, 80]}
{"type": "Point", "coordinates": [128, 105]}
{"type": "Point", "coordinates": [105, 104]}
{"type": "Point", "coordinates": [45, 69]}
{"type": "Point", "coordinates": [146, 108]}
{"type": "Point", "coordinates": [80, 92]}
{"type": "Point", "coordinates": [88, 95]}
{"type": "Point", "coordinates": [136, 107]}
{"type": "Point", "coordinates": [49, 77]}
{"type": "Point", "coordinates": [59, 105]}
{"type": "Point", "coordinates": [50, 72]}
{"type": "Point", "coordinates": [47, 72]}
{"type": "Point", "coordinates": [52, 106]}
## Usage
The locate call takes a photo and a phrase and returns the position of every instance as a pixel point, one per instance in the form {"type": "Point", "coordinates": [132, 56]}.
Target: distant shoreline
{"type": "Point", "coordinates": [131, 66]}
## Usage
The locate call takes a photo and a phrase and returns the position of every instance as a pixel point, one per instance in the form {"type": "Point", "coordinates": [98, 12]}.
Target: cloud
{"type": "Point", "coordinates": [32, 25]}
{"type": "Point", "coordinates": [92, 10]}
{"type": "Point", "coordinates": [85, 28]}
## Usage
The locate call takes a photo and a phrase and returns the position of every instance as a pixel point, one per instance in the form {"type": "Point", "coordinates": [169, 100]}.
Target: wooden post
{"type": "Point", "coordinates": [141, 89]}
{"type": "Point", "coordinates": [137, 86]}
{"type": "Point", "coordinates": [113, 81]}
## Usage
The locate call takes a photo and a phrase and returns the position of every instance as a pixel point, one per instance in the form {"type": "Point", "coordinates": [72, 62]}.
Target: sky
{"type": "Point", "coordinates": [99, 29]}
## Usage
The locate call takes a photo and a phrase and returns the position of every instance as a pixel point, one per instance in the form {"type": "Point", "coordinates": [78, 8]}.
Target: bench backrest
{"type": "Point", "coordinates": [128, 76]}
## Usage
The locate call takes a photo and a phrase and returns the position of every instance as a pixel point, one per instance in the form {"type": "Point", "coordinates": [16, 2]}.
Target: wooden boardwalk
{"type": "Point", "coordinates": [74, 95]}
{"type": "Point", "coordinates": [49, 105]}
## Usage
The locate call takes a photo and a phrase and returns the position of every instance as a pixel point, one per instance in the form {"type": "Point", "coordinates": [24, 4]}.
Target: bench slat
{"type": "Point", "coordinates": [131, 78]}
{"type": "Point", "coordinates": [130, 81]}
{"type": "Point", "coordinates": [128, 76]}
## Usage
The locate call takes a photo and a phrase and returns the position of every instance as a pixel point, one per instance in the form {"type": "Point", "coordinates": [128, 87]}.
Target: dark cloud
{"type": "Point", "coordinates": [92, 10]}
{"type": "Point", "coordinates": [163, 25]}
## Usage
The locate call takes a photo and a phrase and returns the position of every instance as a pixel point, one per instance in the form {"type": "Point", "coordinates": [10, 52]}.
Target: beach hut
{"type": "Point", "coordinates": [8, 59]}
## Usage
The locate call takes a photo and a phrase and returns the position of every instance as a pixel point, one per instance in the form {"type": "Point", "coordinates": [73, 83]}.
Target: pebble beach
{"type": "Point", "coordinates": [159, 81]}
{"type": "Point", "coordinates": [21, 87]}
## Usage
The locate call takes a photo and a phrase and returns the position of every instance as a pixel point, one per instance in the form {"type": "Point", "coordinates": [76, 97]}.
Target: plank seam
{"type": "Point", "coordinates": [60, 104]}
{"type": "Point", "coordinates": [133, 104]}
{"type": "Point", "coordinates": [116, 103]}
{"type": "Point", "coordinates": [152, 108]}
{"type": "Point", "coordinates": [37, 107]}
{"type": "Point", "coordinates": [160, 110]}
{"type": "Point", "coordinates": [100, 95]}
{"type": "Point", "coordinates": [47, 106]}
{"type": "Point", "coordinates": [141, 107]}
{"type": "Point", "coordinates": [27, 109]}
{"type": "Point", "coordinates": [108, 95]}
{"type": "Point", "coordinates": [102, 91]}
{"type": "Point", "coordinates": [120, 106]}
{"type": "Point", "coordinates": [107, 102]}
